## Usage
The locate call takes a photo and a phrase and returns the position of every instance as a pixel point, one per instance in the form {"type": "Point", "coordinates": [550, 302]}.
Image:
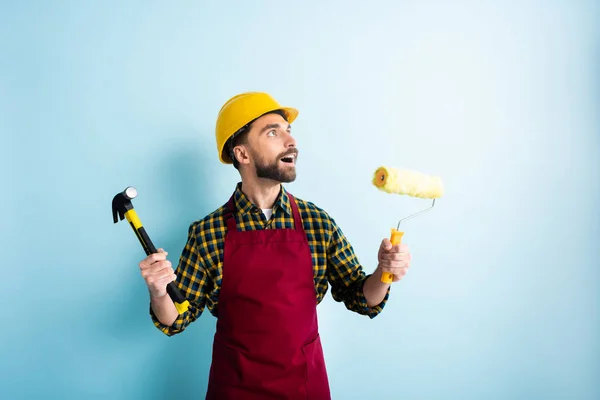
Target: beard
{"type": "Point", "coordinates": [275, 171]}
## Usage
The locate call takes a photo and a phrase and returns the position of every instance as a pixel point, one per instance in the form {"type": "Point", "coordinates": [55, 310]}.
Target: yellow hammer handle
{"type": "Point", "coordinates": [396, 238]}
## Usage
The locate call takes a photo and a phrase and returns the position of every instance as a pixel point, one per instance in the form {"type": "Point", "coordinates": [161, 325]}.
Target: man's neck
{"type": "Point", "coordinates": [261, 192]}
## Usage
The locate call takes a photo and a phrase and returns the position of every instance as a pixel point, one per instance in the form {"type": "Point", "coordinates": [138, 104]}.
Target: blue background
{"type": "Point", "coordinates": [500, 99]}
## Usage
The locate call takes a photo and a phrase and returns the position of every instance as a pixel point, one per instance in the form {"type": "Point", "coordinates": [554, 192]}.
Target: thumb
{"type": "Point", "coordinates": [386, 244]}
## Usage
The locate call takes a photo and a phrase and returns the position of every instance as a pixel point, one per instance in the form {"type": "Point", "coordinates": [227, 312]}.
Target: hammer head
{"type": "Point", "coordinates": [122, 203]}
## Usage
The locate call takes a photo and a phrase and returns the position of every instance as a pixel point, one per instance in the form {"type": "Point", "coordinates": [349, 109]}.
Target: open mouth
{"type": "Point", "coordinates": [289, 159]}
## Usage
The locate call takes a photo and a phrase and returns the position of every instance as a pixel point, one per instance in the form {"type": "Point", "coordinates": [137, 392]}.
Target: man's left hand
{"type": "Point", "coordinates": [393, 259]}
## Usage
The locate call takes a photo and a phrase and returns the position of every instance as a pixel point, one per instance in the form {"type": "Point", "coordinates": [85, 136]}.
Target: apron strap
{"type": "Point", "coordinates": [229, 218]}
{"type": "Point", "coordinates": [297, 220]}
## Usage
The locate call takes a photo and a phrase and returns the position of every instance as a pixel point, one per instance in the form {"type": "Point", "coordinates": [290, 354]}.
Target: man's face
{"type": "Point", "coordinates": [273, 149]}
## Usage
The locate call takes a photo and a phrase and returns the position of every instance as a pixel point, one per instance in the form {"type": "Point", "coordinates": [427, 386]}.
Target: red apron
{"type": "Point", "coordinates": [267, 343]}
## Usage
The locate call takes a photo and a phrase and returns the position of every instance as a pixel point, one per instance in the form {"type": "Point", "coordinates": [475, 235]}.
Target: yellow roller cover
{"type": "Point", "coordinates": [408, 182]}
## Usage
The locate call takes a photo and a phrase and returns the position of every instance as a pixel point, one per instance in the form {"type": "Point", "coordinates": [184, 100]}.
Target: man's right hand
{"type": "Point", "coordinates": [158, 272]}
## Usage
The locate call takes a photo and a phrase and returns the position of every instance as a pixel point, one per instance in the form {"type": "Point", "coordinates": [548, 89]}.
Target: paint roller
{"type": "Point", "coordinates": [410, 183]}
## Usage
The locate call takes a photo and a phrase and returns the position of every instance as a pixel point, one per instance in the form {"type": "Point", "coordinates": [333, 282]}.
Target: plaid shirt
{"type": "Point", "coordinates": [199, 272]}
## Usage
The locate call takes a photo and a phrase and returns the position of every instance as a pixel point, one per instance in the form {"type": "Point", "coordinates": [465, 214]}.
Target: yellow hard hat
{"type": "Point", "coordinates": [239, 111]}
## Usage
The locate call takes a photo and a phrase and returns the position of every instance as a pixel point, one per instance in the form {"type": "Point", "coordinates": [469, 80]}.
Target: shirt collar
{"type": "Point", "coordinates": [243, 205]}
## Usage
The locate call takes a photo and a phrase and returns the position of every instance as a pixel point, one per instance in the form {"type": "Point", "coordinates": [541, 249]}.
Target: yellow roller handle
{"type": "Point", "coordinates": [396, 238]}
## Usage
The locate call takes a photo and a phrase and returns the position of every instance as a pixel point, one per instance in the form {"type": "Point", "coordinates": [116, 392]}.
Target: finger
{"type": "Point", "coordinates": [395, 256]}
{"type": "Point", "coordinates": [166, 280]}
{"type": "Point", "coordinates": [152, 258]}
{"type": "Point", "coordinates": [390, 265]}
{"type": "Point", "coordinates": [394, 268]}
{"type": "Point", "coordinates": [158, 275]}
{"type": "Point", "coordinates": [160, 282]}
{"type": "Point", "coordinates": [160, 266]}
{"type": "Point", "coordinates": [400, 264]}
{"type": "Point", "coordinates": [165, 273]}
{"type": "Point", "coordinates": [149, 263]}
{"type": "Point", "coordinates": [399, 248]}
{"type": "Point", "coordinates": [399, 258]}
{"type": "Point", "coordinates": [385, 244]}
{"type": "Point", "coordinates": [144, 264]}
{"type": "Point", "coordinates": [390, 249]}
{"type": "Point", "coordinates": [157, 268]}
{"type": "Point", "coordinates": [158, 256]}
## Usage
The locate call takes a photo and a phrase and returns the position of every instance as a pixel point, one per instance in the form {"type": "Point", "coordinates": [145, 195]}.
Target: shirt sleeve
{"type": "Point", "coordinates": [347, 277]}
{"type": "Point", "coordinates": [192, 280]}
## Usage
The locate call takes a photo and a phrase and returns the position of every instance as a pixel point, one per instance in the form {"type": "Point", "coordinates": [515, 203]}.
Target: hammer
{"type": "Point", "coordinates": [122, 208]}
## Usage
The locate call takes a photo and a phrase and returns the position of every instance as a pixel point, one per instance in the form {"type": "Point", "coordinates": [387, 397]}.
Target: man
{"type": "Point", "coordinates": [262, 262]}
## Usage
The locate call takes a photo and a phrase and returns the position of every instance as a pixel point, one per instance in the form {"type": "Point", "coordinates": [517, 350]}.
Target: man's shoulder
{"type": "Point", "coordinates": [310, 209]}
{"type": "Point", "coordinates": [213, 220]}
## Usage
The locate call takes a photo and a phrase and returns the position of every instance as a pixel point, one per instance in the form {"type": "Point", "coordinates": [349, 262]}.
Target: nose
{"type": "Point", "coordinates": [290, 141]}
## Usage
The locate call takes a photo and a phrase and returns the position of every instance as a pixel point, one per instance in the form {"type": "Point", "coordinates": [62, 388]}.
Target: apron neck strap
{"type": "Point", "coordinates": [297, 220]}
{"type": "Point", "coordinates": [229, 218]}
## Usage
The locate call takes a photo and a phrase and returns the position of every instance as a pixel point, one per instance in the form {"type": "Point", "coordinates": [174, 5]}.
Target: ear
{"type": "Point", "coordinates": [241, 154]}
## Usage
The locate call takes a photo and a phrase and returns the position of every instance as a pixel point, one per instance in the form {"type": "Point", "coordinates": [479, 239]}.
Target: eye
{"type": "Point", "coordinates": [274, 132]}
